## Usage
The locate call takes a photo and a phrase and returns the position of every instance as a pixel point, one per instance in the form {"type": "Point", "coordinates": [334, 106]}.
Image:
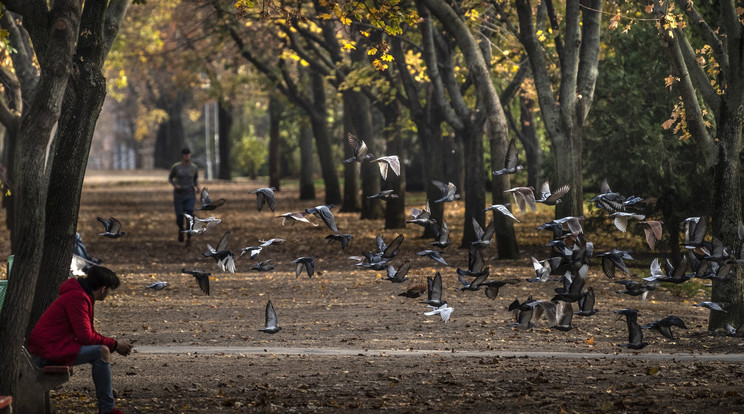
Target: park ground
{"type": "Point", "coordinates": [350, 343]}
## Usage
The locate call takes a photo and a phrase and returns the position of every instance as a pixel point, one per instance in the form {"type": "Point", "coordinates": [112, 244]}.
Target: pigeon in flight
{"type": "Point", "coordinates": [207, 203]}
{"type": "Point", "coordinates": [716, 306]}
{"type": "Point", "coordinates": [634, 288]}
{"type": "Point", "coordinates": [483, 237]}
{"type": "Point", "coordinates": [434, 290]}
{"type": "Point", "coordinates": [523, 197]}
{"type": "Point", "coordinates": [344, 239]}
{"type": "Point", "coordinates": [264, 266]}
{"type": "Point", "coordinates": [635, 335]}
{"type": "Point", "coordinates": [551, 198]}
{"type": "Point", "coordinates": [608, 200]}
{"type": "Point", "coordinates": [493, 286]}
{"type": "Point", "coordinates": [421, 217]}
{"type": "Point", "coordinates": [202, 278]}
{"type": "Point", "coordinates": [503, 209]}
{"type": "Point", "coordinates": [522, 313]}
{"type": "Point", "coordinates": [223, 257]}
{"type": "Point", "coordinates": [475, 263]}
{"type": "Point", "coordinates": [558, 313]}
{"type": "Point", "coordinates": [441, 234]}
{"type": "Point", "coordinates": [308, 263]}
{"type": "Point", "coordinates": [199, 226]}
{"type": "Point", "coordinates": [664, 326]}
{"type": "Point", "coordinates": [112, 227]}
{"type": "Point", "coordinates": [271, 324]}
{"type": "Point", "coordinates": [159, 285]}
{"type": "Point", "coordinates": [653, 231]}
{"type": "Point", "coordinates": [614, 259]}
{"type": "Point", "coordinates": [324, 213]}
{"type": "Point", "coordinates": [399, 275]}
{"type": "Point", "coordinates": [510, 160]}
{"type": "Point", "coordinates": [414, 290]}
{"type": "Point", "coordinates": [586, 303]}
{"type": "Point", "coordinates": [433, 254]}
{"type": "Point", "coordinates": [265, 196]}
{"type": "Point", "coordinates": [292, 218]}
{"type": "Point", "coordinates": [474, 285]}
{"type": "Point", "coordinates": [622, 218]}
{"type": "Point", "coordinates": [391, 161]}
{"type": "Point", "coordinates": [448, 191]}
{"type": "Point", "coordinates": [384, 195]}
{"type": "Point", "coordinates": [695, 230]}
{"type": "Point", "coordinates": [443, 310]}
{"type": "Point", "coordinates": [358, 148]}
{"type": "Point", "coordinates": [543, 268]}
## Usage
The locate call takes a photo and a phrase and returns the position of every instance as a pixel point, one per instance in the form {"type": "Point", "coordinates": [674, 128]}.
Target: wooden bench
{"type": "Point", "coordinates": [35, 383]}
{"type": "Point", "coordinates": [6, 404]}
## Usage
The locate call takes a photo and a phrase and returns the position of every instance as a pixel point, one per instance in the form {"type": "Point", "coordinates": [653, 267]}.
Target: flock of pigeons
{"type": "Point", "coordinates": [568, 262]}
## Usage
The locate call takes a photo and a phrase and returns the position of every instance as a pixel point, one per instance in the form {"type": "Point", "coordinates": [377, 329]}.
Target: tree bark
{"type": "Point", "coordinates": [225, 116]}
{"type": "Point", "coordinates": [352, 201]}
{"type": "Point", "coordinates": [307, 185]}
{"type": "Point", "coordinates": [322, 142]}
{"type": "Point", "coordinates": [395, 216]}
{"type": "Point", "coordinates": [170, 136]}
{"type": "Point", "coordinates": [276, 109]}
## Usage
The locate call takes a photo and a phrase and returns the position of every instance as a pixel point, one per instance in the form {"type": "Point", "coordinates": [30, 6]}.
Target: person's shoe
{"type": "Point", "coordinates": [114, 411]}
{"type": "Point", "coordinates": [180, 237]}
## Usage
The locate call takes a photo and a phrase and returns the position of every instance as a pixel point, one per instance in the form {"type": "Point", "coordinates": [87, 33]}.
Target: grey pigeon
{"type": "Point", "coordinates": [421, 217]}
{"type": "Point", "coordinates": [511, 160]}
{"type": "Point", "coordinates": [307, 262]}
{"type": "Point", "coordinates": [614, 259]}
{"type": "Point", "coordinates": [358, 148]}
{"type": "Point", "coordinates": [635, 335]}
{"type": "Point", "coordinates": [271, 322]}
{"type": "Point", "coordinates": [524, 197]}
{"type": "Point", "coordinates": [434, 290]}
{"type": "Point", "coordinates": [159, 285]}
{"type": "Point", "coordinates": [586, 303]}
{"type": "Point", "coordinates": [324, 213]}
{"type": "Point", "coordinates": [483, 237]}
{"type": "Point", "coordinates": [399, 275]}
{"type": "Point", "coordinates": [207, 203]}
{"type": "Point", "coordinates": [384, 195]}
{"type": "Point", "coordinates": [223, 257]}
{"type": "Point", "coordinates": [433, 254]}
{"type": "Point", "coordinates": [716, 306]}
{"type": "Point", "coordinates": [391, 161]}
{"type": "Point", "coordinates": [448, 191]}
{"type": "Point", "coordinates": [695, 230]}
{"type": "Point", "coordinates": [493, 286]}
{"type": "Point", "coordinates": [264, 266]}
{"type": "Point", "coordinates": [622, 218]}
{"type": "Point", "coordinates": [199, 226]}
{"type": "Point", "coordinates": [503, 209]}
{"type": "Point", "coordinates": [551, 198]}
{"type": "Point", "coordinates": [474, 285]}
{"type": "Point", "coordinates": [634, 288]}
{"type": "Point", "coordinates": [202, 278]}
{"type": "Point", "coordinates": [441, 234]}
{"type": "Point", "coordinates": [265, 196]}
{"type": "Point", "coordinates": [558, 313]}
{"type": "Point", "coordinates": [664, 326]}
{"type": "Point", "coordinates": [344, 239]}
{"type": "Point", "coordinates": [608, 200]}
{"type": "Point", "coordinates": [112, 227]}
{"type": "Point", "coordinates": [475, 263]}
{"type": "Point", "coordinates": [293, 218]}
{"type": "Point", "coordinates": [522, 313]}
{"type": "Point", "coordinates": [543, 268]}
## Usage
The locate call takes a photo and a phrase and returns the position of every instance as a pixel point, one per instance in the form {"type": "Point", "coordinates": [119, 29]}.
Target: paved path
{"type": "Point", "coordinates": [621, 354]}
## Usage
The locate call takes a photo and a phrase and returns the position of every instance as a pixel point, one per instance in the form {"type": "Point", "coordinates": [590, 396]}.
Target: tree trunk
{"type": "Point", "coordinates": [369, 171]}
{"type": "Point", "coordinates": [307, 185]}
{"type": "Point", "coordinates": [506, 238]}
{"type": "Point", "coordinates": [170, 136]}
{"type": "Point", "coordinates": [395, 216]}
{"type": "Point", "coordinates": [567, 170]}
{"type": "Point", "coordinates": [276, 109]}
{"type": "Point", "coordinates": [474, 190]}
{"type": "Point", "coordinates": [531, 143]}
{"type": "Point", "coordinates": [352, 202]}
{"type": "Point", "coordinates": [322, 143]}
{"type": "Point", "coordinates": [225, 116]}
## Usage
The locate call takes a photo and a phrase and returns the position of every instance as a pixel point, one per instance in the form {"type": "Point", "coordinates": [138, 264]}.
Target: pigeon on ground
{"type": "Point", "coordinates": [653, 231]}
{"type": "Point", "coordinates": [159, 285]}
{"type": "Point", "coordinates": [493, 286]}
{"type": "Point", "coordinates": [384, 195]}
{"type": "Point", "coordinates": [265, 195]}
{"type": "Point", "coordinates": [358, 148]}
{"type": "Point", "coordinates": [448, 191]}
{"type": "Point", "coordinates": [414, 290]}
{"type": "Point", "coordinates": [441, 234]}
{"type": "Point", "coordinates": [635, 335]}
{"type": "Point", "coordinates": [207, 203]}
{"type": "Point", "coordinates": [199, 226]}
{"type": "Point", "coordinates": [202, 278]}
{"type": "Point", "coordinates": [434, 290]}
{"type": "Point", "coordinates": [511, 160]}
{"type": "Point", "coordinates": [112, 227]}
{"type": "Point", "coordinates": [586, 303]}
{"type": "Point", "coordinates": [223, 257]}
{"type": "Point", "coordinates": [503, 209]}
{"type": "Point", "coordinates": [524, 197]}
{"type": "Point", "coordinates": [664, 326]}
{"type": "Point", "coordinates": [293, 218]}
{"type": "Point", "coordinates": [716, 306]}
{"type": "Point", "coordinates": [622, 218]}
{"type": "Point", "coordinates": [264, 266]}
{"type": "Point", "coordinates": [433, 254]}
{"type": "Point", "coordinates": [391, 161]}
{"type": "Point", "coordinates": [308, 263]}
{"type": "Point", "coordinates": [443, 310]}
{"type": "Point", "coordinates": [551, 198]}
{"type": "Point", "coordinates": [399, 275]}
{"type": "Point", "coordinates": [271, 323]}
{"type": "Point", "coordinates": [483, 237]}
{"type": "Point", "coordinates": [344, 239]}
{"type": "Point", "coordinates": [324, 213]}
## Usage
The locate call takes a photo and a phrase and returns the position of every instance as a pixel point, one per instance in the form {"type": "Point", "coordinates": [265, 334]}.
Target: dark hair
{"type": "Point", "coordinates": [185, 150]}
{"type": "Point", "coordinates": [99, 276]}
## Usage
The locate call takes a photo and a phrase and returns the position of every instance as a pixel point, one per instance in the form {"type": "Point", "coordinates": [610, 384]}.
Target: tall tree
{"type": "Point", "coordinates": [713, 71]}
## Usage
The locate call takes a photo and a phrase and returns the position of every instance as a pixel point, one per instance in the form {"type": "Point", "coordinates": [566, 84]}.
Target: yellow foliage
{"type": "Point", "coordinates": [372, 51]}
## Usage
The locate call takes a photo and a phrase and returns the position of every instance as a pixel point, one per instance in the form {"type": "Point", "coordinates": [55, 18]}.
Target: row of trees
{"type": "Point", "coordinates": [441, 77]}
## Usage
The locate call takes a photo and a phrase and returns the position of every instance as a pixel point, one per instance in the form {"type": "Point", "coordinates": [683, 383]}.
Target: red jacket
{"type": "Point", "coordinates": [67, 325]}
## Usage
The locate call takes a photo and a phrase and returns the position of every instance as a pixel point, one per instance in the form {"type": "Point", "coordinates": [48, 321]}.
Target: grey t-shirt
{"type": "Point", "coordinates": [186, 176]}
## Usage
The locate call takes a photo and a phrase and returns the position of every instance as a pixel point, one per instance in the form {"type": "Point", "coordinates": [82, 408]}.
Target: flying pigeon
{"type": "Point", "coordinates": [441, 234]}
{"type": "Point", "coordinates": [265, 195]}
{"type": "Point", "coordinates": [586, 303]}
{"type": "Point", "coordinates": [613, 259]}
{"type": "Point", "coordinates": [358, 148]}
{"type": "Point", "coordinates": [635, 335]}
{"type": "Point", "coordinates": [608, 200]}
{"type": "Point", "coordinates": [399, 275]}
{"type": "Point", "coordinates": [664, 326]}
{"type": "Point", "coordinates": [448, 191]}
{"type": "Point", "coordinates": [112, 227]}
{"type": "Point", "coordinates": [264, 266]}
{"type": "Point", "coordinates": [653, 231]}
{"type": "Point", "coordinates": [202, 278]}
{"type": "Point", "coordinates": [510, 160]}
{"type": "Point", "coordinates": [199, 226]}
{"type": "Point", "coordinates": [308, 263]}
{"type": "Point", "coordinates": [207, 203]}
{"type": "Point", "coordinates": [443, 310]}
{"type": "Point", "coordinates": [391, 161]}
{"type": "Point", "coordinates": [421, 217]}
{"type": "Point", "coordinates": [522, 313]}
{"type": "Point", "coordinates": [324, 213]}
{"type": "Point", "coordinates": [622, 218]}
{"type": "Point", "coordinates": [543, 268]}
{"type": "Point", "coordinates": [292, 218]}
{"type": "Point", "coordinates": [523, 197]}
{"type": "Point", "coordinates": [475, 263]}
{"type": "Point", "coordinates": [159, 285]}
{"type": "Point", "coordinates": [558, 313]}
{"type": "Point", "coordinates": [271, 326]}
{"type": "Point", "coordinates": [695, 229]}
{"type": "Point", "coordinates": [634, 288]}
{"type": "Point", "coordinates": [551, 198]}
{"type": "Point", "coordinates": [344, 239]}
{"type": "Point", "coordinates": [483, 238]}
{"type": "Point", "coordinates": [414, 290]}
{"type": "Point", "coordinates": [493, 286]}
{"type": "Point", "coordinates": [384, 195]}
{"type": "Point", "coordinates": [503, 209]}
{"type": "Point", "coordinates": [223, 257]}
{"type": "Point", "coordinates": [434, 290]}
{"type": "Point", "coordinates": [716, 306]}
{"type": "Point", "coordinates": [474, 285]}
{"type": "Point", "coordinates": [433, 254]}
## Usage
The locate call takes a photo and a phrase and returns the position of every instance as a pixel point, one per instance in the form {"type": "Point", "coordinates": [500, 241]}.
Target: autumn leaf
{"type": "Point", "coordinates": [669, 81]}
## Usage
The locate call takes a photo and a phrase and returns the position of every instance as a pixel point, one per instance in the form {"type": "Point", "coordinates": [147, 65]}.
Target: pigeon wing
{"type": "Point", "coordinates": [436, 287]}
{"type": "Point", "coordinates": [391, 250]}
{"type": "Point", "coordinates": [271, 321]}
{"type": "Point", "coordinates": [222, 245]}
{"type": "Point", "coordinates": [510, 160]}
{"type": "Point", "coordinates": [106, 223]}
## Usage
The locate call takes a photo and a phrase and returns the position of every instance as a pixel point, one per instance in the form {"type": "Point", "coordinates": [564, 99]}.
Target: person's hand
{"type": "Point", "coordinates": [178, 187]}
{"type": "Point", "coordinates": [123, 347]}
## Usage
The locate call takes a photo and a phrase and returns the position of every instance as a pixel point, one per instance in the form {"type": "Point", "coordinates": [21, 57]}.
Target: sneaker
{"type": "Point", "coordinates": [180, 237]}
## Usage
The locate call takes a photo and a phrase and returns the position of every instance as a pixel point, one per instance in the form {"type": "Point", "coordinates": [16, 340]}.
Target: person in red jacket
{"type": "Point", "coordinates": [64, 335]}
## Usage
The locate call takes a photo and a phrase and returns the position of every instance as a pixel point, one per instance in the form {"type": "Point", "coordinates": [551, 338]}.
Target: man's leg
{"type": "Point", "coordinates": [99, 357]}
{"type": "Point", "coordinates": [178, 206]}
{"type": "Point", "coordinates": [188, 208]}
